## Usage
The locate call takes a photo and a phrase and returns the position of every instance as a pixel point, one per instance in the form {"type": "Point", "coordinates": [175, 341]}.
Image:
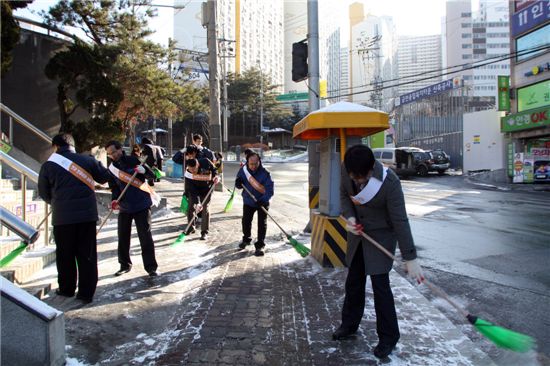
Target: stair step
{"type": "Point", "coordinates": [11, 195]}
{"type": "Point", "coordinates": [7, 244]}
{"type": "Point", "coordinates": [13, 183]}
{"type": "Point", "coordinates": [38, 291]}
{"type": "Point", "coordinates": [28, 264]}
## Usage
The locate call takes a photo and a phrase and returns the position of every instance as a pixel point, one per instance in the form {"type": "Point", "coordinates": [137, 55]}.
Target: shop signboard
{"type": "Point", "coordinates": [518, 168]}
{"type": "Point", "coordinates": [541, 164]}
{"type": "Point", "coordinates": [526, 120]}
{"type": "Point", "coordinates": [510, 159]}
{"type": "Point", "coordinates": [503, 93]}
{"type": "Point", "coordinates": [534, 96]}
{"type": "Point", "coordinates": [530, 17]}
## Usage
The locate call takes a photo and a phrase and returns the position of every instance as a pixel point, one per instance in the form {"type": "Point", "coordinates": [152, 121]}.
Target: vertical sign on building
{"type": "Point", "coordinates": [510, 159]}
{"type": "Point", "coordinates": [503, 93]}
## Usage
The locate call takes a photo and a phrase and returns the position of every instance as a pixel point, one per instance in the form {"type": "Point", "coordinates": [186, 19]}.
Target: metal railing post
{"type": "Point", "coordinates": [24, 197]}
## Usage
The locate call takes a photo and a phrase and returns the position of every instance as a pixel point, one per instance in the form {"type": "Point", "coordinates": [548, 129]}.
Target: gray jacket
{"type": "Point", "coordinates": [384, 218]}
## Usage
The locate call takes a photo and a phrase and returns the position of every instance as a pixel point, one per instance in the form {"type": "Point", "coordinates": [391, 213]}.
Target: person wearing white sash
{"type": "Point", "coordinates": [372, 201]}
{"type": "Point", "coordinates": [257, 181]}
{"type": "Point", "coordinates": [67, 182]}
{"type": "Point", "coordinates": [200, 174]}
{"type": "Point", "coordinates": [134, 206]}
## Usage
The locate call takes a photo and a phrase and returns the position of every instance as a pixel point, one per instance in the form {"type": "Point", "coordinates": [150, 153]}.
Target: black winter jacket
{"type": "Point", "coordinates": [199, 187]}
{"type": "Point", "coordinates": [134, 200]}
{"type": "Point", "coordinates": [72, 201]}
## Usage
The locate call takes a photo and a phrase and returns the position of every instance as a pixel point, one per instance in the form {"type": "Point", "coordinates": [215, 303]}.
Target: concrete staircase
{"type": "Point", "coordinates": [39, 254]}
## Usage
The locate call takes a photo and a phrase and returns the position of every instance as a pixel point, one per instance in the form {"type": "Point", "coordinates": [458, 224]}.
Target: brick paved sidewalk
{"type": "Point", "coordinates": [216, 305]}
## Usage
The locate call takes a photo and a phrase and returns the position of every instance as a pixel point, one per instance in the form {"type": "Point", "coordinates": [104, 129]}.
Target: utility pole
{"type": "Point", "coordinates": [215, 126]}
{"type": "Point", "coordinates": [225, 53]}
{"type": "Point", "coordinates": [261, 103]}
{"type": "Point", "coordinates": [313, 68]}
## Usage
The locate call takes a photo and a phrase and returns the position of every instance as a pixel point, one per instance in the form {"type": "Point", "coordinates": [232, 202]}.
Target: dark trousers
{"type": "Point", "coordinates": [384, 306]}
{"type": "Point", "coordinates": [76, 256]}
{"type": "Point", "coordinates": [143, 226]}
{"type": "Point", "coordinates": [204, 214]}
{"type": "Point", "coordinates": [248, 214]}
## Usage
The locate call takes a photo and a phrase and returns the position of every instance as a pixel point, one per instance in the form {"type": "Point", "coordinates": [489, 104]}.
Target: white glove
{"type": "Point", "coordinates": [198, 207]}
{"type": "Point", "coordinates": [353, 227]}
{"type": "Point", "coordinates": [415, 272]}
{"type": "Point", "coordinates": [139, 169]}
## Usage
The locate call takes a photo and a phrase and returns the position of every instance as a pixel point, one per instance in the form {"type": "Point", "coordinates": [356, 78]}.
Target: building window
{"type": "Point", "coordinates": [532, 40]}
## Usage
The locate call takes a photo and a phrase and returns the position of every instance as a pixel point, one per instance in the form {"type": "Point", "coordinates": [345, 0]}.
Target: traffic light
{"type": "Point", "coordinates": [299, 61]}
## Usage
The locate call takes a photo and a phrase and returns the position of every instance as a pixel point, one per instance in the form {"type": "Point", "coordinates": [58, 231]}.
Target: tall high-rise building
{"type": "Point", "coordinates": [372, 60]}
{"type": "Point", "coordinates": [250, 30]}
{"type": "Point", "coordinates": [344, 77]}
{"type": "Point", "coordinates": [418, 57]}
{"type": "Point", "coordinates": [296, 29]}
{"type": "Point", "coordinates": [472, 37]}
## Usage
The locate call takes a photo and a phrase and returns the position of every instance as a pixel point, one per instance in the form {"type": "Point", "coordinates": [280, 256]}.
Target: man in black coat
{"type": "Point", "coordinates": [200, 176]}
{"type": "Point", "coordinates": [154, 156]}
{"type": "Point", "coordinates": [134, 205]}
{"type": "Point", "coordinates": [66, 182]}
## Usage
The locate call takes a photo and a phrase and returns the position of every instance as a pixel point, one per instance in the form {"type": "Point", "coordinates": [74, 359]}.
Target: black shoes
{"type": "Point", "coordinates": [259, 252]}
{"type": "Point", "coordinates": [383, 350]}
{"type": "Point", "coordinates": [122, 271]}
{"type": "Point", "coordinates": [153, 274]}
{"type": "Point", "coordinates": [84, 300]}
{"type": "Point", "coordinates": [190, 231]}
{"type": "Point", "coordinates": [342, 333]}
{"type": "Point", "coordinates": [64, 294]}
{"type": "Point", "coordinates": [243, 244]}
{"type": "Point", "coordinates": [204, 236]}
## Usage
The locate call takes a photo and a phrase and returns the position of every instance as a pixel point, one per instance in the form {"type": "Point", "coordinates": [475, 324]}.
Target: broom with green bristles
{"type": "Point", "coordinates": [22, 246]}
{"type": "Point", "coordinates": [181, 238]}
{"type": "Point", "coordinates": [300, 248]}
{"type": "Point", "coordinates": [229, 204]}
{"type": "Point", "coordinates": [502, 337]}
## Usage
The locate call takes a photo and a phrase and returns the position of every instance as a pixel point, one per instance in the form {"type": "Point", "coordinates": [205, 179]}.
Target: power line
{"type": "Point", "coordinates": [470, 67]}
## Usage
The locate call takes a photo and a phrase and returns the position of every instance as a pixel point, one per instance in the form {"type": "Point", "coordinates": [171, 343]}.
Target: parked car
{"type": "Point", "coordinates": [404, 161]}
{"type": "Point", "coordinates": [441, 161]}
{"type": "Point", "coordinates": [422, 161]}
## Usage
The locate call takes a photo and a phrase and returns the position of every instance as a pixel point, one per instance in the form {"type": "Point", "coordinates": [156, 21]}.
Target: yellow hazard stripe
{"type": "Point", "coordinates": [313, 197]}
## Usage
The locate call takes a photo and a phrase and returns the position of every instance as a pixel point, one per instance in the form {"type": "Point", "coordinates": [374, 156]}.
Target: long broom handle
{"type": "Point", "coordinates": [194, 212]}
{"type": "Point", "coordinates": [44, 220]}
{"type": "Point", "coordinates": [267, 213]}
{"type": "Point", "coordinates": [430, 285]}
{"type": "Point", "coordinates": [118, 199]}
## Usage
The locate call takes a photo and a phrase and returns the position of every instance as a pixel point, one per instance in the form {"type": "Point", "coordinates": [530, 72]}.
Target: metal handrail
{"type": "Point", "coordinates": [21, 168]}
{"type": "Point", "coordinates": [26, 172]}
{"type": "Point", "coordinates": [23, 122]}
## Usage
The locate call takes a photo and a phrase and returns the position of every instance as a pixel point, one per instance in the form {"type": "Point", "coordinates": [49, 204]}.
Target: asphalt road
{"type": "Point", "coordinates": [489, 250]}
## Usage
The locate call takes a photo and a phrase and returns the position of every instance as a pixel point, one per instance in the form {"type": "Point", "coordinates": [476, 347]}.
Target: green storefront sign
{"type": "Point", "coordinates": [526, 120]}
{"type": "Point", "coordinates": [534, 96]}
{"type": "Point", "coordinates": [503, 93]}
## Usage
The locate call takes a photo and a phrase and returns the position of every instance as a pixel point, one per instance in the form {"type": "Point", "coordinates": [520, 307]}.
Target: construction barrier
{"type": "Point", "coordinates": [328, 240]}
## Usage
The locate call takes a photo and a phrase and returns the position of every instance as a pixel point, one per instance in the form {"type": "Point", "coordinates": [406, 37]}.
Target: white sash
{"type": "Point", "coordinates": [370, 190]}
{"type": "Point", "coordinates": [253, 182]}
{"type": "Point", "coordinates": [201, 177]}
{"type": "Point", "coordinates": [125, 177]}
{"type": "Point", "coordinates": [76, 170]}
